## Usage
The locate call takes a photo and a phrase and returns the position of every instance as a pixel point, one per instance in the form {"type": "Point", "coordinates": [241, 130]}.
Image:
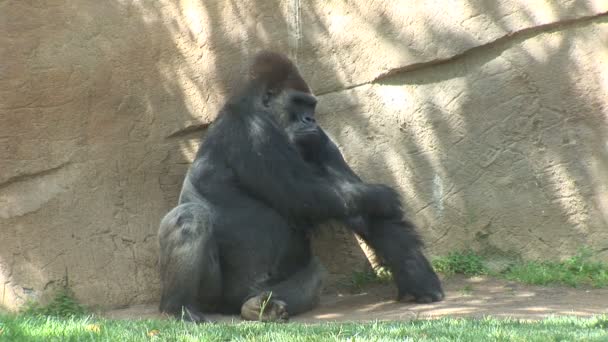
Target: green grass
{"type": "Point", "coordinates": [576, 271]}
{"type": "Point", "coordinates": [34, 328]}
{"type": "Point", "coordinates": [579, 270]}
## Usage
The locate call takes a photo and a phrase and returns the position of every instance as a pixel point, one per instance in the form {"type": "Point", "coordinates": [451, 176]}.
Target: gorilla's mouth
{"type": "Point", "coordinates": [305, 138]}
{"type": "Point", "coordinates": [307, 132]}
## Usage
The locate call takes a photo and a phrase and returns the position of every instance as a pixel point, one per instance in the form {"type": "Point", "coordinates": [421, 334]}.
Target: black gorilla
{"type": "Point", "coordinates": [239, 237]}
{"type": "Point", "coordinates": [393, 238]}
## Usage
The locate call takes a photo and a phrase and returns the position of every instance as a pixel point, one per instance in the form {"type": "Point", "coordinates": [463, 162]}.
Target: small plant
{"type": "Point", "coordinates": [361, 279]}
{"type": "Point", "coordinates": [467, 290]}
{"type": "Point", "coordinates": [467, 263]}
{"type": "Point", "coordinates": [263, 306]}
{"type": "Point", "coordinates": [383, 275]}
{"type": "Point", "coordinates": [63, 305]}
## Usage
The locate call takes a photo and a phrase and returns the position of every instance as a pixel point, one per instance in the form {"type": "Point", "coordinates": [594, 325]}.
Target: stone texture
{"type": "Point", "coordinates": [504, 151]}
{"type": "Point", "coordinates": [491, 120]}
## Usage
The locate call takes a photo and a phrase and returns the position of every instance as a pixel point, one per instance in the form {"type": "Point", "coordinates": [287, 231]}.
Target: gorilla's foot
{"type": "Point", "coordinates": [264, 308]}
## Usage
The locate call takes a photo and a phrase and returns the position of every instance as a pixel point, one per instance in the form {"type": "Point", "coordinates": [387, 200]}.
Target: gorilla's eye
{"type": "Point", "coordinates": [268, 95]}
{"type": "Point", "coordinates": [302, 99]}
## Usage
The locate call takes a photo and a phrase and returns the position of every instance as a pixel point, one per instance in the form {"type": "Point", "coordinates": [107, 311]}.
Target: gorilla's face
{"type": "Point", "coordinates": [294, 111]}
{"type": "Point", "coordinates": [302, 127]}
{"type": "Point", "coordinates": [309, 140]}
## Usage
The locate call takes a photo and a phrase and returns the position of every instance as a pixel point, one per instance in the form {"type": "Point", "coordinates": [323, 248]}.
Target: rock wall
{"type": "Point", "coordinates": [490, 119]}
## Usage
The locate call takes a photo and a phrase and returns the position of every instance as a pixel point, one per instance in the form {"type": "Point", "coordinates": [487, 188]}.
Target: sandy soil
{"type": "Point", "coordinates": [476, 297]}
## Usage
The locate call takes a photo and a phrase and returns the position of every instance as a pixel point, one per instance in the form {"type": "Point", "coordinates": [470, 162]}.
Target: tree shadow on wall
{"type": "Point", "coordinates": [491, 147]}
{"type": "Point", "coordinates": [498, 148]}
{"type": "Point", "coordinates": [514, 133]}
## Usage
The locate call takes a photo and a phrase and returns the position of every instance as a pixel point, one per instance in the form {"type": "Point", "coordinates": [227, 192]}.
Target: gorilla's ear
{"type": "Point", "coordinates": [277, 72]}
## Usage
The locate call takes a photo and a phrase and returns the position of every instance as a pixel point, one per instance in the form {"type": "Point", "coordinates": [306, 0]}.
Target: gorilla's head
{"type": "Point", "coordinates": [286, 95]}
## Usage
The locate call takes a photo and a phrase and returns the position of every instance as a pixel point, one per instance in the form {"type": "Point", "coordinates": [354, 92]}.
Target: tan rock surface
{"type": "Point", "coordinates": [490, 120]}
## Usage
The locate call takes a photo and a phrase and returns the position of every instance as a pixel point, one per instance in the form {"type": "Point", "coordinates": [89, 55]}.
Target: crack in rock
{"type": "Point", "coordinates": [525, 33]}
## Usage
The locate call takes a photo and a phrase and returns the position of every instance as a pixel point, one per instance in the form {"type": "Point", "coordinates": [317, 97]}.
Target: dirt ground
{"type": "Point", "coordinates": [465, 297]}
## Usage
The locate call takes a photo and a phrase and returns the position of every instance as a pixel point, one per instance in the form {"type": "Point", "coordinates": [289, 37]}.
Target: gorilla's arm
{"type": "Point", "coordinates": [268, 166]}
{"type": "Point", "coordinates": [326, 156]}
{"type": "Point", "coordinates": [394, 239]}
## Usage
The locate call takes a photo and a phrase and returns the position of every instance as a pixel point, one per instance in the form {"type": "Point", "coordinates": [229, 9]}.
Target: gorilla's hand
{"type": "Point", "coordinates": [381, 200]}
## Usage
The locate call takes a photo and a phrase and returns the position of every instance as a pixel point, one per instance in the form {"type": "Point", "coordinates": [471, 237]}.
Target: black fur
{"type": "Point", "coordinates": [394, 239]}
{"type": "Point", "coordinates": [248, 200]}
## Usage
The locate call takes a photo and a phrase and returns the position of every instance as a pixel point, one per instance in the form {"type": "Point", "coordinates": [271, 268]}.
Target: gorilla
{"type": "Point", "coordinates": [239, 239]}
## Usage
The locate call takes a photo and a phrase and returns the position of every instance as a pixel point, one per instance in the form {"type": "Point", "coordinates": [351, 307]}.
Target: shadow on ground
{"type": "Point", "coordinates": [474, 297]}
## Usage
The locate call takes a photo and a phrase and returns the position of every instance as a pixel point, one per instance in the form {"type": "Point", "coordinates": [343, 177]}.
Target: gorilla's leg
{"type": "Point", "coordinates": [400, 247]}
{"type": "Point", "coordinates": [189, 262]}
{"type": "Point", "coordinates": [296, 294]}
